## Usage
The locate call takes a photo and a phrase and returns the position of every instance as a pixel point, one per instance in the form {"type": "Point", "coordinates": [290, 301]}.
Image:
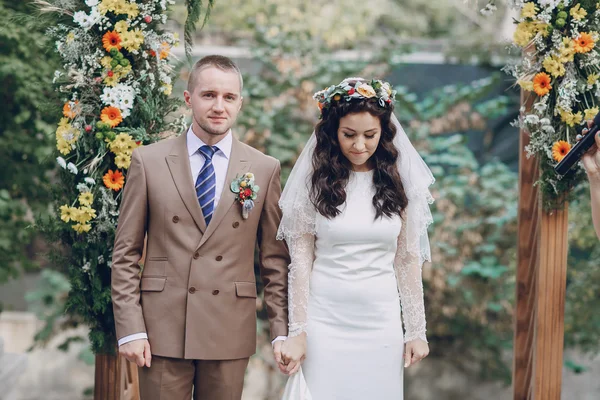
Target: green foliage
{"type": "Point", "coordinates": [25, 133]}
{"type": "Point", "coordinates": [194, 10]}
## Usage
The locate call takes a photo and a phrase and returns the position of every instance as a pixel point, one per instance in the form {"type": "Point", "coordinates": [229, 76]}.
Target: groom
{"type": "Point", "coordinates": [189, 319]}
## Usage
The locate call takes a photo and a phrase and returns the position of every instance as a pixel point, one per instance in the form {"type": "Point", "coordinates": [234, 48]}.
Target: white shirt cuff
{"type": "Point", "coordinates": [278, 338]}
{"type": "Point", "coordinates": [131, 338]}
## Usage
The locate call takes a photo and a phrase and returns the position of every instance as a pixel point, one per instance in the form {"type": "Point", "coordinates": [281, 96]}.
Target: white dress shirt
{"type": "Point", "coordinates": [220, 164]}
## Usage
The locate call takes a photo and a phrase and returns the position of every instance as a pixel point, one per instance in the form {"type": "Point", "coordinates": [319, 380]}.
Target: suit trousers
{"type": "Point", "coordinates": [173, 379]}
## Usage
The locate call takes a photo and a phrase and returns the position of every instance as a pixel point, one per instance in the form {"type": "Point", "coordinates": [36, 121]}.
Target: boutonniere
{"type": "Point", "coordinates": [245, 192]}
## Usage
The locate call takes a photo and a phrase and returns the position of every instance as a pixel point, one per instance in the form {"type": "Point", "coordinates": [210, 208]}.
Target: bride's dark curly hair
{"type": "Point", "coordinates": [332, 169]}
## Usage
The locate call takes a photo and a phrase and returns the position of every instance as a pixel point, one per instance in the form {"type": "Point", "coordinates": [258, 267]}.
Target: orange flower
{"type": "Point", "coordinates": [584, 43]}
{"type": "Point", "coordinates": [71, 112]}
{"type": "Point", "coordinates": [541, 84]}
{"type": "Point", "coordinates": [111, 116]}
{"type": "Point", "coordinates": [164, 50]}
{"type": "Point", "coordinates": [114, 180]}
{"type": "Point", "coordinates": [111, 40]}
{"type": "Point", "coordinates": [560, 150]}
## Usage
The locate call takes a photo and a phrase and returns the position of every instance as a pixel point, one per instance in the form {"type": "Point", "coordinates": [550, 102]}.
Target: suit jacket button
{"type": "Point", "coordinates": [196, 255]}
{"type": "Point", "coordinates": [176, 219]}
{"type": "Point", "coordinates": [219, 258]}
{"type": "Point", "coordinates": [236, 224]}
{"type": "Point", "coordinates": [192, 290]}
{"type": "Point", "coordinates": [215, 292]}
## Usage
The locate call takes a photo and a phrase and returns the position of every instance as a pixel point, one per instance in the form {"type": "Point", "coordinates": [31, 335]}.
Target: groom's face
{"type": "Point", "coordinates": [215, 100]}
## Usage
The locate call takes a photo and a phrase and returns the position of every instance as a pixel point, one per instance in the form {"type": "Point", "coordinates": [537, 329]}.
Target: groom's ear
{"type": "Point", "coordinates": [241, 103]}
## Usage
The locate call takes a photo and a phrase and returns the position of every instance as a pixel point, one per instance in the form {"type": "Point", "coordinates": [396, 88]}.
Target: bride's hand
{"type": "Point", "coordinates": [293, 353]}
{"type": "Point", "coordinates": [415, 351]}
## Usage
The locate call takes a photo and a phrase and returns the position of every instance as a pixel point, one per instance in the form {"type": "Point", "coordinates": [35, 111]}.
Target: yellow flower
{"type": "Point", "coordinates": [366, 90]}
{"type": "Point", "coordinates": [250, 175]}
{"type": "Point", "coordinates": [554, 66]}
{"type": "Point", "coordinates": [567, 50]}
{"type": "Point", "coordinates": [86, 198]}
{"type": "Point", "coordinates": [167, 88]}
{"type": "Point", "coordinates": [590, 113]}
{"type": "Point", "coordinates": [105, 62]}
{"type": "Point", "coordinates": [132, 10]}
{"type": "Point", "coordinates": [529, 10]}
{"type": "Point", "coordinates": [121, 26]}
{"type": "Point", "coordinates": [578, 13]}
{"type": "Point", "coordinates": [87, 213]}
{"type": "Point", "coordinates": [63, 147]}
{"type": "Point", "coordinates": [67, 213]}
{"type": "Point", "coordinates": [70, 37]}
{"type": "Point", "coordinates": [121, 141]}
{"type": "Point", "coordinates": [523, 34]}
{"type": "Point", "coordinates": [569, 118]}
{"type": "Point", "coordinates": [81, 228]}
{"type": "Point", "coordinates": [525, 85]}
{"type": "Point", "coordinates": [243, 184]}
{"type": "Point", "coordinates": [122, 161]}
{"type": "Point", "coordinates": [592, 78]}
{"type": "Point", "coordinates": [111, 81]}
{"type": "Point", "coordinates": [64, 122]}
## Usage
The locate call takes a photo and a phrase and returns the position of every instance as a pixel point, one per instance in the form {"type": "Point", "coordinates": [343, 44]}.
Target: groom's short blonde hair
{"type": "Point", "coordinates": [221, 62]}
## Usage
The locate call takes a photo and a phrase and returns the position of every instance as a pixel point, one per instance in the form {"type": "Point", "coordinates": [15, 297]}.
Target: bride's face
{"type": "Point", "coordinates": [359, 136]}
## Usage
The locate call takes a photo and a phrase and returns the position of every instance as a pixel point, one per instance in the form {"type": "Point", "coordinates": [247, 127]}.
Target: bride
{"type": "Point", "coordinates": [355, 217]}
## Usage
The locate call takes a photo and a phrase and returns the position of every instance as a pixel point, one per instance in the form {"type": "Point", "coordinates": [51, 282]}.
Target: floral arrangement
{"type": "Point", "coordinates": [245, 192]}
{"type": "Point", "coordinates": [356, 88]}
{"type": "Point", "coordinates": [560, 68]}
{"type": "Point", "coordinates": [116, 82]}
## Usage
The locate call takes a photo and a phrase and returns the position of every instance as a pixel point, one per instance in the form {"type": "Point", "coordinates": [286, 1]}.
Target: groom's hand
{"type": "Point", "coordinates": [137, 351]}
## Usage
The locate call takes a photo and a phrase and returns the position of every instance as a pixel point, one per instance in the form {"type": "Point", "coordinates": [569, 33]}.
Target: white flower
{"type": "Point", "coordinates": [87, 21]}
{"type": "Point", "coordinates": [100, 259]}
{"type": "Point", "coordinates": [83, 188]}
{"type": "Point", "coordinates": [89, 181]}
{"type": "Point", "coordinates": [121, 96]}
{"type": "Point", "coordinates": [532, 119]}
{"type": "Point", "coordinates": [61, 161]}
{"type": "Point", "coordinates": [540, 107]}
{"type": "Point", "coordinates": [91, 3]}
{"type": "Point", "coordinates": [86, 266]}
{"type": "Point", "coordinates": [72, 168]}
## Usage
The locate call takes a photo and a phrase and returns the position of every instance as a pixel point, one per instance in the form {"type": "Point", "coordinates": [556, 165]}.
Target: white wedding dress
{"type": "Point", "coordinates": [345, 288]}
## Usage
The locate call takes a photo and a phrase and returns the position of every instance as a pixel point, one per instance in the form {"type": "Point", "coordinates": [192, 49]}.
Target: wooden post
{"type": "Point", "coordinates": [540, 287]}
{"type": "Point", "coordinates": [115, 379]}
{"type": "Point", "coordinates": [527, 262]}
{"type": "Point", "coordinates": [551, 288]}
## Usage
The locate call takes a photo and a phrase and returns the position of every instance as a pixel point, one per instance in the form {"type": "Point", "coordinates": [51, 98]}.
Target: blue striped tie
{"type": "Point", "coordinates": [206, 182]}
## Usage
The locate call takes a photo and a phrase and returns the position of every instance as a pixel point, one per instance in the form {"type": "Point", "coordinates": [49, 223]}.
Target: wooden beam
{"type": "Point", "coordinates": [527, 262]}
{"type": "Point", "coordinates": [551, 288]}
{"type": "Point", "coordinates": [115, 378]}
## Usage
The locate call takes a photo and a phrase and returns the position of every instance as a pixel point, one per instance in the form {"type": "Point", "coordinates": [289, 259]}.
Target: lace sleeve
{"type": "Point", "coordinates": [302, 253]}
{"type": "Point", "coordinates": [410, 286]}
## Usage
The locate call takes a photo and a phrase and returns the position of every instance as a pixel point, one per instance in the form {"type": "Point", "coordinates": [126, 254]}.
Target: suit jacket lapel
{"type": "Point", "coordinates": [238, 165]}
{"type": "Point", "coordinates": [179, 166]}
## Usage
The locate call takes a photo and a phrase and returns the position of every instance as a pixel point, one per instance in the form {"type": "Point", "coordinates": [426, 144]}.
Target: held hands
{"type": "Point", "coordinates": [293, 352]}
{"type": "Point", "coordinates": [591, 159]}
{"type": "Point", "coordinates": [137, 351]}
{"type": "Point", "coordinates": [415, 351]}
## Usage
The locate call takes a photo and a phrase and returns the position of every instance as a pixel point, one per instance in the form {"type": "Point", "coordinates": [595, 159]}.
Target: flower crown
{"type": "Point", "coordinates": [356, 88]}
